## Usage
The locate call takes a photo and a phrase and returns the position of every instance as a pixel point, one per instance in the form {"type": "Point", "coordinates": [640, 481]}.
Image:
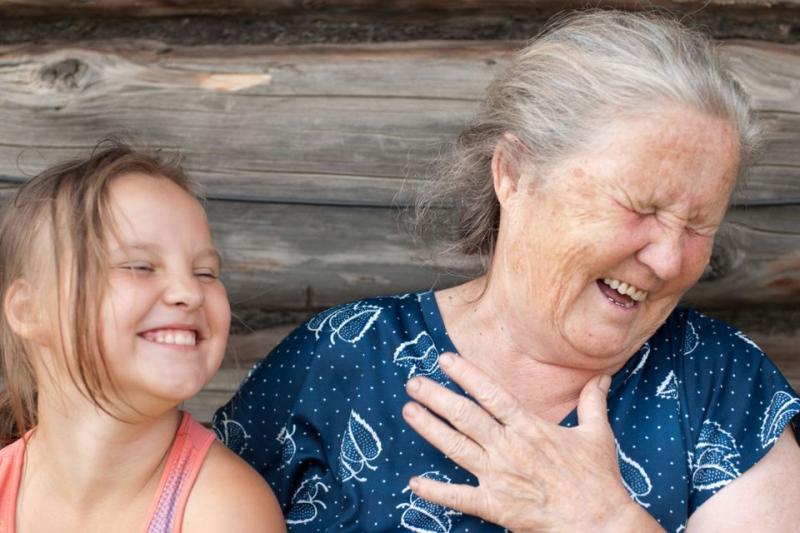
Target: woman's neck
{"type": "Point", "coordinates": [87, 459]}
{"type": "Point", "coordinates": [489, 335]}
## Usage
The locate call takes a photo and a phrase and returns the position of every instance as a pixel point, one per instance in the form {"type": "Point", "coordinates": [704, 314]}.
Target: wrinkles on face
{"type": "Point", "coordinates": [640, 204]}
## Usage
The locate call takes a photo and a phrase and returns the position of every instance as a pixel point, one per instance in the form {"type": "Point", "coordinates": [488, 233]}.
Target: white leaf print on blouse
{"type": "Point", "coordinates": [746, 339]}
{"type": "Point", "coordinates": [645, 351]}
{"type": "Point", "coordinates": [305, 501]}
{"type": "Point", "coordinates": [285, 437]}
{"type": "Point", "coordinates": [634, 477]}
{"type": "Point", "coordinates": [712, 463]}
{"type": "Point", "coordinates": [423, 516]}
{"type": "Point", "coordinates": [782, 408]}
{"type": "Point", "coordinates": [668, 389]}
{"type": "Point", "coordinates": [421, 357]}
{"type": "Point", "coordinates": [347, 322]}
{"type": "Point", "coordinates": [691, 339]}
{"type": "Point", "coordinates": [231, 433]}
{"type": "Point", "coordinates": [360, 445]}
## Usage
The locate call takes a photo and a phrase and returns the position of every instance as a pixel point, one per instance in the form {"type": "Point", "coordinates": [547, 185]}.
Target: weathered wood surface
{"type": "Point", "coordinates": [145, 8]}
{"type": "Point", "coordinates": [281, 256]}
{"type": "Point", "coordinates": [782, 349]}
{"type": "Point", "coordinates": [320, 124]}
{"type": "Point", "coordinates": [303, 152]}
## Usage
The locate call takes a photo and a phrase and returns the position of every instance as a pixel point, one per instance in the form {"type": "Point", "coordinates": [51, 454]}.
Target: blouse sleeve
{"type": "Point", "coordinates": [257, 422]}
{"type": "Point", "coordinates": [735, 402]}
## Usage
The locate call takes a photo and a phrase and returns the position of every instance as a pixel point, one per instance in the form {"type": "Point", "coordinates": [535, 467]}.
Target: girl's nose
{"type": "Point", "coordinates": [184, 290]}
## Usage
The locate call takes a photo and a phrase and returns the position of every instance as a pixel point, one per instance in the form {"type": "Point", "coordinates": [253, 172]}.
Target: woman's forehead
{"type": "Point", "coordinates": [663, 146]}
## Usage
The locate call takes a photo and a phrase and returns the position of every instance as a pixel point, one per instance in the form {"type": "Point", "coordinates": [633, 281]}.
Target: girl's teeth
{"type": "Point", "coordinates": [181, 338]}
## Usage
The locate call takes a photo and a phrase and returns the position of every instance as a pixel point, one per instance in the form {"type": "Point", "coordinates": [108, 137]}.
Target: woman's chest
{"type": "Point", "coordinates": [351, 472]}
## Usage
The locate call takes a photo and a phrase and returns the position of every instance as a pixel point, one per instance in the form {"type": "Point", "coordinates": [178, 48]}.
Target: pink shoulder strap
{"type": "Point", "coordinates": [11, 460]}
{"type": "Point", "coordinates": [189, 450]}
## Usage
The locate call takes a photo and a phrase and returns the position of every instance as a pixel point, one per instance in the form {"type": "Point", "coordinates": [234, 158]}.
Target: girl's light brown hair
{"type": "Point", "coordinates": [67, 206]}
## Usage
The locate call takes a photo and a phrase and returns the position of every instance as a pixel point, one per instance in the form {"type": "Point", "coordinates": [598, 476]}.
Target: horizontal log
{"type": "Point", "coordinates": [304, 151]}
{"type": "Point", "coordinates": [320, 124]}
{"type": "Point", "coordinates": [280, 256]}
{"type": "Point", "coordinates": [756, 260]}
{"type": "Point", "coordinates": [153, 8]}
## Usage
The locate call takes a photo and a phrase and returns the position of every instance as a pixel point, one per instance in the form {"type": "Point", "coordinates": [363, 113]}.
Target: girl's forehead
{"type": "Point", "coordinates": [147, 209]}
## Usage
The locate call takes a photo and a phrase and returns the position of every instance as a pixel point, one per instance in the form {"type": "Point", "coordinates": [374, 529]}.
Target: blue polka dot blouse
{"type": "Point", "coordinates": [320, 418]}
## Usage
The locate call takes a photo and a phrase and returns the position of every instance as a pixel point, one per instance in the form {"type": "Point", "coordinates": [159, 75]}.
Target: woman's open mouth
{"type": "Point", "coordinates": [620, 293]}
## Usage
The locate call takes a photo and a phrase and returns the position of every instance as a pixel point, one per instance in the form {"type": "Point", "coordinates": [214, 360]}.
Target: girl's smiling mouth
{"type": "Point", "coordinates": [172, 336]}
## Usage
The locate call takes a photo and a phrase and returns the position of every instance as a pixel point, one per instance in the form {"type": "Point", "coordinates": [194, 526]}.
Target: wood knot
{"type": "Point", "coordinates": [722, 261]}
{"type": "Point", "coordinates": [65, 75]}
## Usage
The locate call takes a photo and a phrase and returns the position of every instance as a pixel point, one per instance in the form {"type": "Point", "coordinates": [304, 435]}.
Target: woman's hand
{"type": "Point", "coordinates": [532, 475]}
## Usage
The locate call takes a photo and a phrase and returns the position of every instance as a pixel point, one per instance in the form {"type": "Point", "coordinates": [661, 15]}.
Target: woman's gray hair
{"type": "Point", "coordinates": [585, 69]}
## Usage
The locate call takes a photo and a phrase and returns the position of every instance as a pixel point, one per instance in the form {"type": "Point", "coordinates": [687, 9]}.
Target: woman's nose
{"type": "Point", "coordinates": [663, 254]}
{"type": "Point", "coordinates": [184, 290]}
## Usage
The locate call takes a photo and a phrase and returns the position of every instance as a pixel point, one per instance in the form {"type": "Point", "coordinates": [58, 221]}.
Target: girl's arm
{"type": "Point", "coordinates": [230, 496]}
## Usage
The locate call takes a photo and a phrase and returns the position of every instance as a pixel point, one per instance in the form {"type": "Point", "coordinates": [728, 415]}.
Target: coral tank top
{"type": "Point", "coordinates": [186, 456]}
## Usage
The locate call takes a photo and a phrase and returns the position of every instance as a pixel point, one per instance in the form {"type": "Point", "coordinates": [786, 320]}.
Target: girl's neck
{"type": "Point", "coordinates": [88, 459]}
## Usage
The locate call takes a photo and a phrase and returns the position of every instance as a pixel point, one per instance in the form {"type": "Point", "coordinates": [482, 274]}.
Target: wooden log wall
{"type": "Point", "coordinates": [305, 152]}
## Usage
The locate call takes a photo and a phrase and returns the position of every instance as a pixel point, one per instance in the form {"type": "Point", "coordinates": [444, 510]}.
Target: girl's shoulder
{"type": "Point", "coordinates": [229, 495]}
{"type": "Point", "coordinates": [11, 462]}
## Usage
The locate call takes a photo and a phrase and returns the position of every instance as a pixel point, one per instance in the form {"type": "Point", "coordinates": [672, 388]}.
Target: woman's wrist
{"type": "Point", "coordinates": [630, 518]}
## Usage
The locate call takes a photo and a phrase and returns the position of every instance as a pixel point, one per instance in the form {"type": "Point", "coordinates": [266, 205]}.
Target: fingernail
{"type": "Point", "coordinates": [413, 385]}
{"type": "Point", "coordinates": [413, 483]}
{"type": "Point", "coordinates": [604, 383]}
{"type": "Point", "coordinates": [446, 360]}
{"type": "Point", "coordinates": [411, 410]}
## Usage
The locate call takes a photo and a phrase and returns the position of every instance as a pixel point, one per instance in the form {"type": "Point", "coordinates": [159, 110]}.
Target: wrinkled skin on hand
{"type": "Point", "coordinates": [532, 475]}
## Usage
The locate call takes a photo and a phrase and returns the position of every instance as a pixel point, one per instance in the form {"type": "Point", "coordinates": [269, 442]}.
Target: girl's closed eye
{"type": "Point", "coordinates": [209, 274]}
{"type": "Point", "coordinates": [138, 267]}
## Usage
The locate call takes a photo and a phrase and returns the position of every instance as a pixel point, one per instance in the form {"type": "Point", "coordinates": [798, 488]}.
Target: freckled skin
{"type": "Point", "coordinates": [640, 204]}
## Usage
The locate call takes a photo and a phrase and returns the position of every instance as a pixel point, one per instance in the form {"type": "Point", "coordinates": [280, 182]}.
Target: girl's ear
{"type": "Point", "coordinates": [22, 315]}
{"type": "Point", "coordinates": [507, 167]}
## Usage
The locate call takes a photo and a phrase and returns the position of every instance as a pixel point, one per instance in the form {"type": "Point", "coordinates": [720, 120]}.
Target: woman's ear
{"type": "Point", "coordinates": [506, 167]}
{"type": "Point", "coordinates": [22, 314]}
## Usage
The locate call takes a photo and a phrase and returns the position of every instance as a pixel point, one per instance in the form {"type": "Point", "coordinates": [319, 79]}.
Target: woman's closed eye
{"type": "Point", "coordinates": [702, 231]}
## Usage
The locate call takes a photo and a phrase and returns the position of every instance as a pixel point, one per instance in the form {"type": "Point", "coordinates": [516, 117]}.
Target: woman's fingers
{"type": "Point", "coordinates": [467, 499]}
{"type": "Point", "coordinates": [458, 447]}
{"type": "Point", "coordinates": [461, 412]}
{"type": "Point", "coordinates": [492, 397]}
{"type": "Point", "coordinates": [592, 403]}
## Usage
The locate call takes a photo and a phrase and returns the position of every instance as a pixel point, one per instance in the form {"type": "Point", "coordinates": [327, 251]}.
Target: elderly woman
{"type": "Point", "coordinates": [594, 179]}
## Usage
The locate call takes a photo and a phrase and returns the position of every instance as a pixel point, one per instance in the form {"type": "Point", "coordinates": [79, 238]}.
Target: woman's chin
{"type": "Point", "coordinates": [603, 346]}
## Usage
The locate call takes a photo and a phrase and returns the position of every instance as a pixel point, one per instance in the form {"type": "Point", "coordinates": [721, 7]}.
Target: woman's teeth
{"type": "Point", "coordinates": [170, 336]}
{"type": "Point", "coordinates": [626, 289]}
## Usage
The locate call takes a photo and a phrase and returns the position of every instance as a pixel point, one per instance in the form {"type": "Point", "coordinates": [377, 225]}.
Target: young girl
{"type": "Point", "coordinates": [113, 314]}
